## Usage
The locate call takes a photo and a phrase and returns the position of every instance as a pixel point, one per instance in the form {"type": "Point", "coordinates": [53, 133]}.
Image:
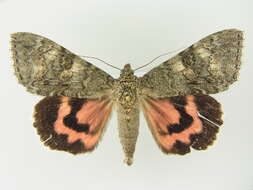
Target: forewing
{"type": "Point", "coordinates": [208, 66]}
{"type": "Point", "coordinates": [48, 69]}
{"type": "Point", "coordinates": [181, 122]}
{"type": "Point", "coordinates": [72, 124]}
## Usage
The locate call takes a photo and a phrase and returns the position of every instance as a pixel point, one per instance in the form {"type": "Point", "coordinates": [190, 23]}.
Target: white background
{"type": "Point", "coordinates": [120, 32]}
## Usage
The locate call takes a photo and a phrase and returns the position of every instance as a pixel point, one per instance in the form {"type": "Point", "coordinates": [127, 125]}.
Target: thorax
{"type": "Point", "coordinates": [126, 93]}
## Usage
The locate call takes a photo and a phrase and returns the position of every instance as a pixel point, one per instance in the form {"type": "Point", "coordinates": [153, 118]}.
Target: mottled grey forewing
{"type": "Point", "coordinates": [207, 67]}
{"type": "Point", "coordinates": [48, 69]}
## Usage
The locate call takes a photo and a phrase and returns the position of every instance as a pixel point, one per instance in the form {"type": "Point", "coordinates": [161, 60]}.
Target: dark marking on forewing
{"type": "Point", "coordinates": [188, 57]}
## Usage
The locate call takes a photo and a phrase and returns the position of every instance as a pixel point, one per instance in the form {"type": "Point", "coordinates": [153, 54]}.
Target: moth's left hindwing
{"type": "Point", "coordinates": [181, 122]}
{"type": "Point", "coordinates": [72, 124]}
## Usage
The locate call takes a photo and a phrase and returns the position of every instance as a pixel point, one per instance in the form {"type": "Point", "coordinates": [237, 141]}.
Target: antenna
{"type": "Point", "coordinates": [170, 52]}
{"type": "Point", "coordinates": [100, 60]}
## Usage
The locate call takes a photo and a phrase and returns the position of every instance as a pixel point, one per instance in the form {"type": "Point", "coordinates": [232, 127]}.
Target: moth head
{"type": "Point", "coordinates": [126, 71]}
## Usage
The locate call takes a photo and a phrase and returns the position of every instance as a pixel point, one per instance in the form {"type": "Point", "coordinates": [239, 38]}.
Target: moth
{"type": "Point", "coordinates": [173, 96]}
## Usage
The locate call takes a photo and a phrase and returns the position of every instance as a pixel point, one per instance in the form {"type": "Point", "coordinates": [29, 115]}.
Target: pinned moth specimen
{"type": "Point", "coordinates": [174, 96]}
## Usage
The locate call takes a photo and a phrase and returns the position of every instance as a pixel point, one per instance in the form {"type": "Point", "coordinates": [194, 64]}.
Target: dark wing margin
{"type": "Point", "coordinates": [48, 69]}
{"type": "Point", "coordinates": [207, 67]}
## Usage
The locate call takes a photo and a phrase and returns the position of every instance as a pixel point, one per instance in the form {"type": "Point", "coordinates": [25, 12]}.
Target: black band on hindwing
{"type": "Point", "coordinates": [70, 120]}
{"type": "Point", "coordinates": [185, 120]}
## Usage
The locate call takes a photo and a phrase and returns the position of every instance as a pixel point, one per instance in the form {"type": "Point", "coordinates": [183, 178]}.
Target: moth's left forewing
{"type": "Point", "coordinates": [178, 123]}
{"type": "Point", "coordinates": [48, 69]}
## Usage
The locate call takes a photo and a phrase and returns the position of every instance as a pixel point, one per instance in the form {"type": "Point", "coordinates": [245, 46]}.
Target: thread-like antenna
{"type": "Point", "coordinates": [100, 60]}
{"type": "Point", "coordinates": [170, 52]}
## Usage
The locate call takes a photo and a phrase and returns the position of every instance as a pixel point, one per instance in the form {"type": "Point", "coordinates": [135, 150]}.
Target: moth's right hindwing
{"type": "Point", "coordinates": [47, 69]}
{"type": "Point", "coordinates": [178, 123]}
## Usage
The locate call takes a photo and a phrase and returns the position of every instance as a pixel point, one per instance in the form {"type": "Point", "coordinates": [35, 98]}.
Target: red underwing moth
{"type": "Point", "coordinates": [173, 96]}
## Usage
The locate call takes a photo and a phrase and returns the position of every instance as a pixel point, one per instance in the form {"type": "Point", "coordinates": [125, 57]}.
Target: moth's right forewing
{"type": "Point", "coordinates": [207, 67]}
{"type": "Point", "coordinates": [48, 69]}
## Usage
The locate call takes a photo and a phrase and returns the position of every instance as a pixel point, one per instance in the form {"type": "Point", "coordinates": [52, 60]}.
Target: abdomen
{"type": "Point", "coordinates": [128, 126]}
